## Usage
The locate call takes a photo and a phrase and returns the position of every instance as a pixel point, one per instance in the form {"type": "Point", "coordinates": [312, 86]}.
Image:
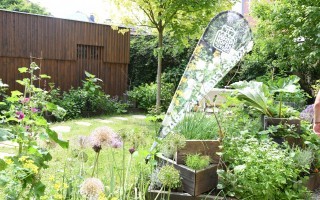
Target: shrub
{"type": "Point", "coordinates": [145, 95]}
{"type": "Point", "coordinates": [260, 170]}
{"type": "Point", "coordinates": [89, 100]}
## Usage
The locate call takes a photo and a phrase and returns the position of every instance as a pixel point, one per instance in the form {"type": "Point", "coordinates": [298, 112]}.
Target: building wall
{"type": "Point", "coordinates": [67, 49]}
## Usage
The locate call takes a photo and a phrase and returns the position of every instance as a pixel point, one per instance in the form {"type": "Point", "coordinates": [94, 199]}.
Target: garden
{"type": "Point", "coordinates": [251, 140]}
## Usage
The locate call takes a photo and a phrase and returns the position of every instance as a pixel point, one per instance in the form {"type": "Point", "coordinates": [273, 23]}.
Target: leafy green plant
{"type": "Point", "coordinates": [24, 124]}
{"type": "Point", "coordinates": [170, 144]}
{"type": "Point", "coordinates": [197, 162]}
{"type": "Point", "coordinates": [261, 97]}
{"type": "Point", "coordinates": [169, 177]}
{"type": "Point", "coordinates": [145, 95]}
{"type": "Point", "coordinates": [90, 100]}
{"type": "Point", "coordinates": [259, 169]}
{"type": "Point", "coordinates": [197, 125]}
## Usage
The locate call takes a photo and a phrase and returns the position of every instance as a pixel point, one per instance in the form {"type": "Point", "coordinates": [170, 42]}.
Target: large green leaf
{"type": "Point", "coordinates": [54, 136]}
{"type": "Point", "coordinates": [288, 84]}
{"type": "Point", "coordinates": [5, 135]}
{"type": "Point", "coordinates": [254, 94]}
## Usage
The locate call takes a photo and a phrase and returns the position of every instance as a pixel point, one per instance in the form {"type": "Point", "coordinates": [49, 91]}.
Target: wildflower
{"type": "Point", "coordinates": [57, 186]}
{"type": "Point", "coordinates": [307, 113]}
{"type": "Point", "coordinates": [132, 150]}
{"type": "Point", "coordinates": [51, 177]}
{"type": "Point", "coordinates": [8, 161]}
{"type": "Point", "coordinates": [23, 158]}
{"type": "Point", "coordinates": [30, 165]}
{"type": "Point", "coordinates": [91, 188]}
{"type": "Point", "coordinates": [34, 110]}
{"type": "Point", "coordinates": [25, 100]}
{"type": "Point", "coordinates": [103, 136]}
{"type": "Point", "coordinates": [169, 177]}
{"type": "Point", "coordinates": [116, 141]}
{"type": "Point", "coordinates": [20, 114]}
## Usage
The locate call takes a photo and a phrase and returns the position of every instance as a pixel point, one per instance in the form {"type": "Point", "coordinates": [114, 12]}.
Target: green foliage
{"type": "Point", "coordinates": [197, 125]}
{"type": "Point", "coordinates": [143, 62]}
{"type": "Point", "coordinates": [89, 100]}
{"type": "Point", "coordinates": [23, 6]}
{"type": "Point", "coordinates": [261, 97]}
{"type": "Point", "coordinates": [169, 177]}
{"type": "Point", "coordinates": [145, 95]}
{"type": "Point", "coordinates": [197, 162]}
{"type": "Point", "coordinates": [170, 144]}
{"type": "Point", "coordinates": [286, 41]}
{"type": "Point", "coordinates": [259, 169]}
{"type": "Point", "coordinates": [25, 125]}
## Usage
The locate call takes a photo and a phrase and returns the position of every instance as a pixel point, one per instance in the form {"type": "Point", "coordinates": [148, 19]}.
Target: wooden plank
{"type": "Point", "coordinates": [195, 182]}
{"type": "Point", "coordinates": [202, 147]}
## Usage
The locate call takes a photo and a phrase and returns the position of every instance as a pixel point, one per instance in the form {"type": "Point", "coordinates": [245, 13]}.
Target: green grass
{"type": "Point", "coordinates": [65, 166]}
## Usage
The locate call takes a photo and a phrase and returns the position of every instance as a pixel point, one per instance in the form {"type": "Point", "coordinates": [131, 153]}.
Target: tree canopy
{"type": "Point", "coordinates": [287, 40]}
{"type": "Point", "coordinates": [181, 19]}
{"type": "Point", "coordinates": [23, 6]}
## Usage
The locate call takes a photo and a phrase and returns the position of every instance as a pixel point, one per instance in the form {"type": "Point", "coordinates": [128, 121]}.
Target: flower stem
{"type": "Point", "coordinates": [95, 163]}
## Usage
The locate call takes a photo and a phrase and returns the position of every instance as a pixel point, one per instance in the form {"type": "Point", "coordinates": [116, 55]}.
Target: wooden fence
{"type": "Point", "coordinates": [67, 49]}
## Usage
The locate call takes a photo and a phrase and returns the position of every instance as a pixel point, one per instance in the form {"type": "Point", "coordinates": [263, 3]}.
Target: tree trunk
{"type": "Point", "coordinates": [160, 44]}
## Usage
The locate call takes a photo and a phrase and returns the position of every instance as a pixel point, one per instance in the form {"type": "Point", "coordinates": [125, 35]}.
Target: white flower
{"type": "Point", "coordinates": [91, 188]}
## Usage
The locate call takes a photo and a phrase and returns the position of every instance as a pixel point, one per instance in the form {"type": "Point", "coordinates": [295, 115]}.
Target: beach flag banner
{"type": "Point", "coordinates": [225, 41]}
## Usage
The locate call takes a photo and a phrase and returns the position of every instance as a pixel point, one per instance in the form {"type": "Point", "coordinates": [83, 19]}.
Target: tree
{"type": "Point", "coordinates": [181, 19]}
{"type": "Point", "coordinates": [287, 40]}
{"type": "Point", "coordinates": [23, 6]}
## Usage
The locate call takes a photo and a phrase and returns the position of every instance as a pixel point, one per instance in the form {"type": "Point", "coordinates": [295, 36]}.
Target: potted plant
{"type": "Point", "coordinates": [201, 137]}
{"type": "Point", "coordinates": [263, 98]}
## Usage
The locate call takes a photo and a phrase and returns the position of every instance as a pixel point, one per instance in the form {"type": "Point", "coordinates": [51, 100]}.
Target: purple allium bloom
{"type": "Point", "coordinates": [308, 113]}
{"type": "Point", "coordinates": [132, 150]}
{"type": "Point", "coordinates": [25, 100]}
{"type": "Point", "coordinates": [20, 114]}
{"type": "Point", "coordinates": [116, 141]}
{"type": "Point", "coordinates": [34, 110]}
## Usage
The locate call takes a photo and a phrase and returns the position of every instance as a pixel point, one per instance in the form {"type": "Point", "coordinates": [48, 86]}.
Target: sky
{"type": "Point", "coordinates": [65, 8]}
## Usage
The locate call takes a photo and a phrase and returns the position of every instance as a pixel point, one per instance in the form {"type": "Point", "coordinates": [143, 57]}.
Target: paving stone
{"type": "Point", "coordinates": [61, 129]}
{"type": "Point", "coordinates": [83, 123]}
{"type": "Point", "coordinates": [120, 118]}
{"type": "Point", "coordinates": [139, 116]}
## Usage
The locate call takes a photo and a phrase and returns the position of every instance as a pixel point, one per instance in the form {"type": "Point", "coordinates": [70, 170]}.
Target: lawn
{"type": "Point", "coordinates": [118, 169]}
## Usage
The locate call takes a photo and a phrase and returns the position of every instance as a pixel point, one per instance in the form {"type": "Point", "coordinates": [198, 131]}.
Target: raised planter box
{"type": "Point", "coordinates": [269, 121]}
{"type": "Point", "coordinates": [151, 195]}
{"type": "Point", "coordinates": [203, 147]}
{"type": "Point", "coordinates": [195, 182]}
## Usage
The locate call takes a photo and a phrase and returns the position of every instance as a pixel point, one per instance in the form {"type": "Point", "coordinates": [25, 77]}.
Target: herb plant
{"type": "Point", "coordinates": [197, 162]}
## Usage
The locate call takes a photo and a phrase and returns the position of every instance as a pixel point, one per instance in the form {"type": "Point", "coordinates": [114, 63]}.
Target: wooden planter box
{"type": "Point", "coordinates": [151, 195]}
{"type": "Point", "coordinates": [202, 147]}
{"type": "Point", "coordinates": [269, 121]}
{"type": "Point", "coordinates": [195, 182]}
{"type": "Point", "coordinates": [314, 181]}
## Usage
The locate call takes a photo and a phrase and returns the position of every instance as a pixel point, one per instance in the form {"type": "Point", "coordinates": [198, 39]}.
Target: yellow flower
{"type": "Point", "coordinates": [23, 158]}
{"type": "Point", "coordinates": [183, 79]}
{"type": "Point", "coordinates": [29, 165]}
{"type": "Point", "coordinates": [8, 161]}
{"type": "Point", "coordinates": [57, 186]}
{"type": "Point", "coordinates": [65, 186]}
{"type": "Point", "coordinates": [58, 196]}
{"type": "Point", "coordinates": [102, 196]}
{"type": "Point", "coordinates": [177, 102]}
{"type": "Point", "coordinates": [51, 177]}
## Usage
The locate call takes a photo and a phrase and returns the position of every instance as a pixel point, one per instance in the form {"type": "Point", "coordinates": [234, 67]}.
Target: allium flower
{"type": "Point", "coordinates": [116, 141]}
{"type": "Point", "coordinates": [104, 136]}
{"type": "Point", "coordinates": [91, 188]}
{"type": "Point", "coordinates": [20, 114]}
{"type": "Point", "coordinates": [132, 150]}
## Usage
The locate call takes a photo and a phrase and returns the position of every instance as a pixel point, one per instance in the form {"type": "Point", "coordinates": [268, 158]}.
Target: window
{"type": "Point", "coordinates": [89, 52]}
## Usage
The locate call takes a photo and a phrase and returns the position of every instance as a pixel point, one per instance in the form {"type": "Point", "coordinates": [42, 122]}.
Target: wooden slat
{"type": "Point", "coordinates": [24, 34]}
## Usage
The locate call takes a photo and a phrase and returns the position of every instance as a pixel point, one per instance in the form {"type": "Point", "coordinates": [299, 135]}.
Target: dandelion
{"type": "Point", "coordinates": [91, 188]}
